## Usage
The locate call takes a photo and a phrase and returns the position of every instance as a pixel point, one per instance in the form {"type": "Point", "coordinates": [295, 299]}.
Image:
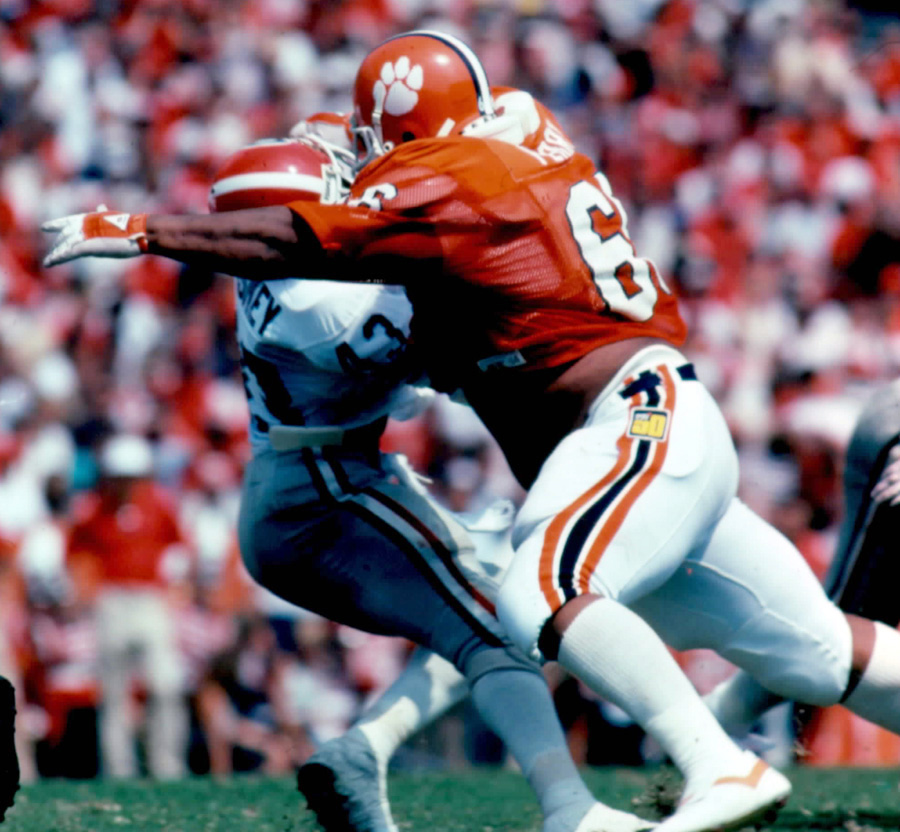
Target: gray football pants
{"type": "Point", "coordinates": [352, 536]}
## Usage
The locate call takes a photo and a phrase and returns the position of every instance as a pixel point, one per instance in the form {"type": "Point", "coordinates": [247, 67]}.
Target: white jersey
{"type": "Point", "coordinates": [318, 352]}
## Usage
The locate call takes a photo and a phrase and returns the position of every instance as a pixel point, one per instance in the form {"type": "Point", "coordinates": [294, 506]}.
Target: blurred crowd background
{"type": "Point", "coordinates": [756, 146]}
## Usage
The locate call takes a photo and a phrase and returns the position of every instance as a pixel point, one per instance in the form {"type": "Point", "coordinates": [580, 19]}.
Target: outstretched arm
{"type": "Point", "coordinates": [261, 244]}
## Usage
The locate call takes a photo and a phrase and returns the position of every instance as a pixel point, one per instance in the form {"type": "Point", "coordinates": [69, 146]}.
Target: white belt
{"type": "Point", "coordinates": [292, 437]}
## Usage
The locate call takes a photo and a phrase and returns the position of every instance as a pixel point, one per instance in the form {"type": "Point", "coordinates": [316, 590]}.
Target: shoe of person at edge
{"type": "Point", "coordinates": [749, 792]}
{"type": "Point", "coordinates": [9, 760]}
{"type": "Point", "coordinates": [346, 787]}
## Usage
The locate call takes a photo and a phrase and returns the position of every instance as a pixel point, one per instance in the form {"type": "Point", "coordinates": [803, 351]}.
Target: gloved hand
{"type": "Point", "coordinates": [100, 233]}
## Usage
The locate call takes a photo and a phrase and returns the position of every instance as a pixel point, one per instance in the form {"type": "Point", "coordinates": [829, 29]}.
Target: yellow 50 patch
{"type": "Point", "coordinates": [649, 424]}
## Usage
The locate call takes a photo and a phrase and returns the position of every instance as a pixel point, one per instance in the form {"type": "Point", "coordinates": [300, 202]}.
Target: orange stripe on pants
{"type": "Point", "coordinates": [546, 576]}
{"type": "Point", "coordinates": [629, 498]}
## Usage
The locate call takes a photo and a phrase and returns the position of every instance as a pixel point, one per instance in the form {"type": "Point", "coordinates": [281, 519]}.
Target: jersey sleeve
{"type": "Point", "coordinates": [418, 203]}
{"type": "Point", "coordinates": [386, 214]}
{"type": "Point", "coordinates": [357, 232]}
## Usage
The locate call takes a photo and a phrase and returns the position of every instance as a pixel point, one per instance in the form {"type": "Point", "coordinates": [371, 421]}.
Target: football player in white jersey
{"type": "Point", "coordinates": [331, 524]}
{"type": "Point", "coordinates": [303, 348]}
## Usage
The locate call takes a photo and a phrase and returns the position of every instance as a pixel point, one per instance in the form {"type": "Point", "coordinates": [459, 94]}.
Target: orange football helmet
{"type": "Point", "coordinates": [417, 85]}
{"type": "Point", "coordinates": [275, 172]}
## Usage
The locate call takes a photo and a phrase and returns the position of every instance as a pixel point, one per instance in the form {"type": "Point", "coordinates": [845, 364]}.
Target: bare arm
{"type": "Point", "coordinates": [258, 244]}
{"type": "Point", "coordinates": [261, 244]}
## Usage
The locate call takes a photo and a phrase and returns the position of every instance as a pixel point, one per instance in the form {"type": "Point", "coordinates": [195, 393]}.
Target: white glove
{"type": "Point", "coordinates": [888, 486]}
{"type": "Point", "coordinates": [100, 233]}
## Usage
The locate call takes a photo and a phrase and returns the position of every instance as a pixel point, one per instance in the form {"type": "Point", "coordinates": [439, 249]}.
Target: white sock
{"type": "Point", "coordinates": [428, 687]}
{"type": "Point", "coordinates": [619, 656]}
{"type": "Point", "coordinates": [877, 696]}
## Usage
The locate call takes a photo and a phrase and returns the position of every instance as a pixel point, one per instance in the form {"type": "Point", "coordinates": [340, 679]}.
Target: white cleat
{"type": "Point", "coordinates": [732, 801]}
{"type": "Point", "coordinates": [346, 787]}
{"type": "Point", "coordinates": [603, 818]}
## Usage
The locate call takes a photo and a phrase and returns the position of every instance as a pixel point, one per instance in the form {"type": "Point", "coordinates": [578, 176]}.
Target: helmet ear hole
{"type": "Point", "coordinates": [407, 136]}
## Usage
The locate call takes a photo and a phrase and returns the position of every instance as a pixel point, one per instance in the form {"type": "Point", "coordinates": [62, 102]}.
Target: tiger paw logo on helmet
{"type": "Point", "coordinates": [396, 92]}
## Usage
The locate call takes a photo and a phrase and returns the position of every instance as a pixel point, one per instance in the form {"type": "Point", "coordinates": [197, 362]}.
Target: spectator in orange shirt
{"type": "Point", "coordinates": [126, 536]}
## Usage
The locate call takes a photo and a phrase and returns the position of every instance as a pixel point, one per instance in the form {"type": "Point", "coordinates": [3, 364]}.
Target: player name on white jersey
{"type": "Point", "coordinates": [322, 353]}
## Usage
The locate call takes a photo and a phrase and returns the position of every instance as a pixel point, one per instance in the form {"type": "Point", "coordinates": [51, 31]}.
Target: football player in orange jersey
{"type": "Point", "coordinates": [530, 298]}
{"type": "Point", "coordinates": [333, 525]}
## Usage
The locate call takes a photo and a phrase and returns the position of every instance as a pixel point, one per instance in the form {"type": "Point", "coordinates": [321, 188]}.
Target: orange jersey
{"type": "Point", "coordinates": [524, 262]}
{"type": "Point", "coordinates": [127, 540]}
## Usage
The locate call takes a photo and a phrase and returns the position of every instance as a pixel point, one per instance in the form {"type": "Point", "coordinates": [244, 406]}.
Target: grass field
{"type": "Point", "coordinates": [484, 800]}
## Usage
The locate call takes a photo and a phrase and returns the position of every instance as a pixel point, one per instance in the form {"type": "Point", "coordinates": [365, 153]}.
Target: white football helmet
{"type": "Point", "coordinates": [276, 172]}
